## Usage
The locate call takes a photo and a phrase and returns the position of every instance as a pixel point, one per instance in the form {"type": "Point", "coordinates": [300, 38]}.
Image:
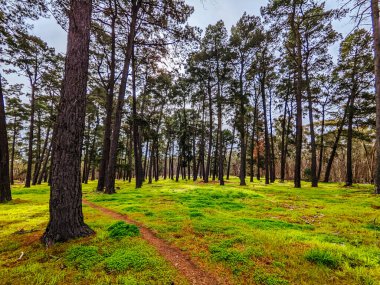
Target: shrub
{"type": "Point", "coordinates": [121, 229]}
{"type": "Point", "coordinates": [324, 257]}
{"type": "Point", "coordinates": [83, 257]}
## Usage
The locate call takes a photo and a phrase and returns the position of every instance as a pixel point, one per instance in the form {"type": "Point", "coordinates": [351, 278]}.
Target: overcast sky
{"type": "Point", "coordinates": [206, 12]}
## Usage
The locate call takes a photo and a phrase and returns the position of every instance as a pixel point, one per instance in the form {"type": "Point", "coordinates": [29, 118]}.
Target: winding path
{"type": "Point", "coordinates": [191, 271]}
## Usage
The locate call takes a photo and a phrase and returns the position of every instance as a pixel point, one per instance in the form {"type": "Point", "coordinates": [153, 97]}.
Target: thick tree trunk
{"type": "Point", "coordinates": [5, 186]}
{"type": "Point", "coordinates": [111, 168]}
{"type": "Point", "coordinates": [66, 216]}
{"type": "Point", "coordinates": [376, 43]}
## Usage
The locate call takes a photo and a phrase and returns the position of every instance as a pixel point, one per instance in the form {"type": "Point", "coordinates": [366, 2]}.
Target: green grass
{"type": "Point", "coordinates": [261, 234]}
{"type": "Point", "coordinates": [256, 234]}
{"type": "Point", "coordinates": [100, 259]}
{"type": "Point", "coordinates": [121, 229]}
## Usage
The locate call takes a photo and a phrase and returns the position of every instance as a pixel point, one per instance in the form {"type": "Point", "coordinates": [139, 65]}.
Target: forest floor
{"type": "Point", "coordinates": [257, 234]}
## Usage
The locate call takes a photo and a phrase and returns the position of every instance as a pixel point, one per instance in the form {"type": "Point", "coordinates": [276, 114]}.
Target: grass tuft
{"type": "Point", "coordinates": [83, 257]}
{"type": "Point", "coordinates": [324, 257]}
{"type": "Point", "coordinates": [121, 229]}
{"type": "Point", "coordinates": [125, 259]}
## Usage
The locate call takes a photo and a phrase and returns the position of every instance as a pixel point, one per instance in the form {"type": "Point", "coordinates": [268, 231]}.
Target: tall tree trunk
{"type": "Point", "coordinates": [322, 142]}
{"type": "Point", "coordinates": [139, 172]}
{"type": "Point", "coordinates": [376, 44]}
{"type": "Point", "coordinates": [258, 175]}
{"type": "Point", "coordinates": [208, 163]}
{"type": "Point", "coordinates": [350, 119]}
{"type": "Point", "coordinates": [5, 186]}
{"type": "Point", "coordinates": [167, 151]}
{"type": "Point", "coordinates": [230, 155]}
{"type": "Point", "coordinates": [130, 148]}
{"type": "Point", "coordinates": [31, 136]}
{"type": "Point", "coordinates": [145, 160]}
{"type": "Point", "coordinates": [272, 155]}
{"type": "Point", "coordinates": [111, 168]}
{"type": "Point", "coordinates": [241, 128]}
{"type": "Point", "coordinates": [298, 92]}
{"type": "Point", "coordinates": [14, 135]}
{"type": "Point", "coordinates": [66, 216]}
{"type": "Point", "coordinates": [267, 158]}
{"type": "Point", "coordinates": [86, 152]}
{"type": "Point", "coordinates": [314, 176]}
{"type": "Point", "coordinates": [215, 164]}
{"type": "Point", "coordinates": [220, 132]}
{"type": "Point", "coordinates": [284, 135]}
{"type": "Point", "coordinates": [109, 105]}
{"type": "Point", "coordinates": [92, 152]}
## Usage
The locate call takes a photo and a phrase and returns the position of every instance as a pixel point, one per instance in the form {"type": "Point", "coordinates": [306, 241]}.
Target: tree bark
{"type": "Point", "coordinates": [13, 151]}
{"type": "Point", "coordinates": [376, 44]}
{"type": "Point", "coordinates": [284, 135]}
{"type": "Point", "coordinates": [241, 128]}
{"type": "Point", "coordinates": [66, 216]}
{"type": "Point", "coordinates": [230, 155]}
{"type": "Point", "coordinates": [30, 144]}
{"type": "Point", "coordinates": [267, 158]}
{"type": "Point", "coordinates": [298, 85]}
{"type": "Point", "coordinates": [139, 173]}
{"type": "Point", "coordinates": [208, 163]}
{"type": "Point", "coordinates": [5, 186]}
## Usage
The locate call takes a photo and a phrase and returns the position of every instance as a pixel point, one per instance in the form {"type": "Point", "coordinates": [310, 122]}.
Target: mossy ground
{"type": "Point", "coordinates": [257, 234]}
{"type": "Point", "coordinates": [92, 260]}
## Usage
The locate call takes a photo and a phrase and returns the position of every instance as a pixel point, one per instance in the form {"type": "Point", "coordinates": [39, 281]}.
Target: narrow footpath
{"type": "Point", "coordinates": [182, 262]}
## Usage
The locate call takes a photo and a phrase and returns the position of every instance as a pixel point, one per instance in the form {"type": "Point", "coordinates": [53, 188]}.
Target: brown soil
{"type": "Point", "coordinates": [191, 271]}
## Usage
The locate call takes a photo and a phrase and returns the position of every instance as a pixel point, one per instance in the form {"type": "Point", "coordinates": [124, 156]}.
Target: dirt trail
{"type": "Point", "coordinates": [174, 255]}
